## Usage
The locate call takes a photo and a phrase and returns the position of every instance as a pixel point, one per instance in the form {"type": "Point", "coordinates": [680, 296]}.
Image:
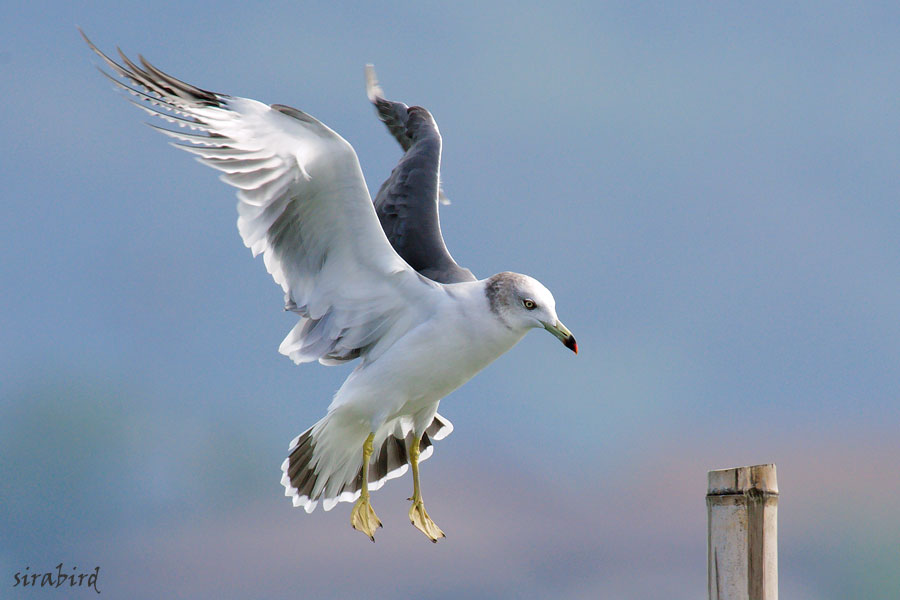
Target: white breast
{"type": "Point", "coordinates": [432, 360]}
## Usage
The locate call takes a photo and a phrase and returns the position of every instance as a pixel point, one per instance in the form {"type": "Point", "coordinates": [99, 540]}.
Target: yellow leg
{"type": "Point", "coordinates": [363, 517]}
{"type": "Point", "coordinates": [417, 514]}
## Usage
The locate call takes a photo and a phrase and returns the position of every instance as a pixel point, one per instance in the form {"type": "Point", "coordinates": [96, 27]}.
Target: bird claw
{"type": "Point", "coordinates": [418, 516]}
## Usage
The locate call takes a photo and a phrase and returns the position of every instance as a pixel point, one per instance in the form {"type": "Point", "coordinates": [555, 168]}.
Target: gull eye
{"type": "Point", "coordinates": [529, 304]}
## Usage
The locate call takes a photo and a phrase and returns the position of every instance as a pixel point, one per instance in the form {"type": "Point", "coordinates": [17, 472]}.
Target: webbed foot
{"type": "Point", "coordinates": [363, 517]}
{"type": "Point", "coordinates": [418, 516]}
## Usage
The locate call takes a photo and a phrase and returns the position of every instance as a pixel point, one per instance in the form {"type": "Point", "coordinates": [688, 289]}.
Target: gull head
{"type": "Point", "coordinates": [523, 302]}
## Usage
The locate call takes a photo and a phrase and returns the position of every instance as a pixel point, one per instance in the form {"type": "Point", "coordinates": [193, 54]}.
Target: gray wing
{"type": "Point", "coordinates": [407, 203]}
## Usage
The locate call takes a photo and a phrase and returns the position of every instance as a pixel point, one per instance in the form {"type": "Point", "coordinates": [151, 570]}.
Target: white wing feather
{"type": "Point", "coordinates": [303, 204]}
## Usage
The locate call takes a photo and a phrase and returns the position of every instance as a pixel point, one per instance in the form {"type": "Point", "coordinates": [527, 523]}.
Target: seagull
{"type": "Point", "coordinates": [371, 282]}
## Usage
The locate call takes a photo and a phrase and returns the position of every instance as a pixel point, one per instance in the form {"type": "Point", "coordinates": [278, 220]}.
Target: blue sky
{"type": "Point", "coordinates": [711, 192]}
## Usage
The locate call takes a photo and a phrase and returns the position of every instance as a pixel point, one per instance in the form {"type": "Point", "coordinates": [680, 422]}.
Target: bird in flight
{"type": "Point", "coordinates": [369, 281]}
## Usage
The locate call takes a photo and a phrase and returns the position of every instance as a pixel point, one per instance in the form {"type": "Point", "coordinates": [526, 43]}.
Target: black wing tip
{"type": "Point", "coordinates": [153, 79]}
{"type": "Point", "coordinates": [85, 37]}
{"type": "Point", "coordinates": [392, 114]}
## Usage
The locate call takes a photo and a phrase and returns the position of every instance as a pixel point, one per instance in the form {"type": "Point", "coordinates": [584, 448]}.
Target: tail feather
{"type": "Point", "coordinates": [308, 477]}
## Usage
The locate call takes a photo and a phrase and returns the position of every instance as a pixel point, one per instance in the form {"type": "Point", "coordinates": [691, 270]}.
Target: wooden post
{"type": "Point", "coordinates": [742, 512]}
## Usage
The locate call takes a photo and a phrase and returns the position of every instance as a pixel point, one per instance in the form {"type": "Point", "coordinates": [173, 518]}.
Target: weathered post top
{"type": "Point", "coordinates": [742, 480]}
{"type": "Point", "coordinates": [742, 512]}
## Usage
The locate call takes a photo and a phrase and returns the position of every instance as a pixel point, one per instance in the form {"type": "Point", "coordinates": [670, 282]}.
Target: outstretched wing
{"type": "Point", "coordinates": [303, 205]}
{"type": "Point", "coordinates": [407, 203]}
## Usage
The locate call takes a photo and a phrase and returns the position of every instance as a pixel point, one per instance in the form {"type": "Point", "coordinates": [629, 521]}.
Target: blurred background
{"type": "Point", "coordinates": [710, 190]}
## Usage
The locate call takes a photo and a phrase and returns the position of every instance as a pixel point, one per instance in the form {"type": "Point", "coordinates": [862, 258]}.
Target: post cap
{"type": "Point", "coordinates": [741, 480]}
